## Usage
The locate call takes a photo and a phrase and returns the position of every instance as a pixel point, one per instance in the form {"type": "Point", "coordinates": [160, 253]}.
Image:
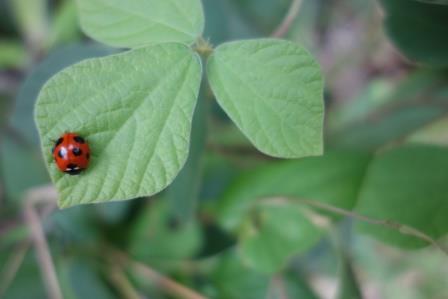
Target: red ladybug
{"type": "Point", "coordinates": [71, 153]}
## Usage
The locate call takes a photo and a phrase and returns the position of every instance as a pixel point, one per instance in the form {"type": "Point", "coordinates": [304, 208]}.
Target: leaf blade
{"type": "Point", "coordinates": [135, 109]}
{"type": "Point", "coordinates": [272, 90]}
{"type": "Point", "coordinates": [406, 185]}
{"type": "Point", "coordinates": [140, 22]}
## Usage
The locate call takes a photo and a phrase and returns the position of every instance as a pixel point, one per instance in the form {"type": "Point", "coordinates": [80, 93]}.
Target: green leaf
{"type": "Point", "coordinates": [272, 89]}
{"type": "Point", "coordinates": [393, 115]}
{"type": "Point", "coordinates": [84, 280]}
{"type": "Point", "coordinates": [12, 54]}
{"type": "Point", "coordinates": [349, 287]}
{"type": "Point", "coordinates": [27, 279]}
{"type": "Point", "coordinates": [158, 237]}
{"type": "Point", "coordinates": [135, 109]}
{"type": "Point", "coordinates": [276, 233]}
{"type": "Point", "coordinates": [418, 30]}
{"type": "Point", "coordinates": [231, 278]}
{"type": "Point", "coordinates": [65, 27]}
{"type": "Point", "coordinates": [269, 235]}
{"type": "Point", "coordinates": [295, 286]}
{"type": "Point", "coordinates": [437, 2]}
{"type": "Point", "coordinates": [22, 116]}
{"type": "Point", "coordinates": [14, 159]}
{"type": "Point", "coordinates": [407, 185]}
{"type": "Point", "coordinates": [183, 193]}
{"type": "Point", "coordinates": [135, 23]}
{"type": "Point", "coordinates": [334, 178]}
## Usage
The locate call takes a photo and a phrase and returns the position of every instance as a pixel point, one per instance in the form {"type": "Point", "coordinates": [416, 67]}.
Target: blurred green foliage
{"type": "Point", "coordinates": [217, 229]}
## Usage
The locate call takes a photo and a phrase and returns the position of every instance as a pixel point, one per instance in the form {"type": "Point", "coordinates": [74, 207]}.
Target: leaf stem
{"type": "Point", "coordinates": [401, 228]}
{"type": "Point", "coordinates": [203, 47]}
{"type": "Point", "coordinates": [289, 19]}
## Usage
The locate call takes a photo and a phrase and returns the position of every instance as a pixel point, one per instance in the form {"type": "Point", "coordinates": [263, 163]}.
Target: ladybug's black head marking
{"type": "Point", "coordinates": [73, 169]}
{"type": "Point", "coordinates": [79, 139]}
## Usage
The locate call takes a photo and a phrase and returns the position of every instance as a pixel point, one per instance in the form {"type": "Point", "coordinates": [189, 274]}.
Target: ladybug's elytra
{"type": "Point", "coordinates": [71, 153]}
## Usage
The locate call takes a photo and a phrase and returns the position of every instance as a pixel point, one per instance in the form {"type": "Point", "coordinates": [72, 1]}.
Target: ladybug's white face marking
{"type": "Point", "coordinates": [62, 152]}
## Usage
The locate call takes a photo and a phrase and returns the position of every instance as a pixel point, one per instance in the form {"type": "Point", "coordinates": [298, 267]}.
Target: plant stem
{"type": "Point", "coordinates": [401, 228]}
{"type": "Point", "coordinates": [146, 272]}
{"type": "Point", "coordinates": [13, 265]}
{"type": "Point", "coordinates": [42, 195]}
{"type": "Point", "coordinates": [203, 47]}
{"type": "Point", "coordinates": [290, 16]}
{"type": "Point", "coordinates": [277, 288]}
{"type": "Point", "coordinates": [119, 279]}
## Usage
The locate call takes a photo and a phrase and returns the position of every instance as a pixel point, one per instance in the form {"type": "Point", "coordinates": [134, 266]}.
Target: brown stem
{"type": "Point", "coordinates": [401, 228]}
{"type": "Point", "coordinates": [146, 272]}
{"type": "Point", "coordinates": [291, 15]}
{"type": "Point", "coordinates": [12, 266]}
{"type": "Point", "coordinates": [278, 284]}
{"type": "Point", "coordinates": [42, 195]}
{"type": "Point", "coordinates": [121, 282]}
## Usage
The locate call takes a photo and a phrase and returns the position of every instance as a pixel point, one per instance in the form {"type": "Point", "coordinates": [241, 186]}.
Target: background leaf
{"type": "Point", "coordinates": [183, 193]}
{"type": "Point", "coordinates": [407, 185]}
{"type": "Point", "coordinates": [22, 168]}
{"type": "Point", "coordinates": [274, 234]}
{"type": "Point", "coordinates": [232, 278]}
{"type": "Point", "coordinates": [373, 121]}
{"type": "Point", "coordinates": [84, 280]}
{"type": "Point", "coordinates": [272, 90]}
{"type": "Point", "coordinates": [271, 234]}
{"type": "Point", "coordinates": [418, 30]}
{"type": "Point", "coordinates": [159, 237]}
{"type": "Point", "coordinates": [28, 275]}
{"type": "Point", "coordinates": [134, 23]}
{"type": "Point", "coordinates": [136, 116]}
{"type": "Point", "coordinates": [441, 2]}
{"type": "Point", "coordinates": [12, 54]}
{"type": "Point", "coordinates": [334, 178]}
{"type": "Point", "coordinates": [65, 25]}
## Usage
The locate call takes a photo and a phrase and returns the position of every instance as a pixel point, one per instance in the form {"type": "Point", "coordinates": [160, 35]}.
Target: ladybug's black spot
{"type": "Point", "coordinates": [59, 141]}
{"type": "Point", "coordinates": [77, 151]}
{"type": "Point", "coordinates": [79, 139]}
{"type": "Point", "coordinates": [88, 156]}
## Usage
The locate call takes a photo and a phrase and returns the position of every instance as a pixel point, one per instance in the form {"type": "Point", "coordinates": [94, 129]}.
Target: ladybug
{"type": "Point", "coordinates": [71, 153]}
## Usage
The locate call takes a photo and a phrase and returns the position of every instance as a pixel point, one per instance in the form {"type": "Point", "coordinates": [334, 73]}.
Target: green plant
{"type": "Point", "coordinates": [136, 107]}
{"type": "Point", "coordinates": [234, 223]}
